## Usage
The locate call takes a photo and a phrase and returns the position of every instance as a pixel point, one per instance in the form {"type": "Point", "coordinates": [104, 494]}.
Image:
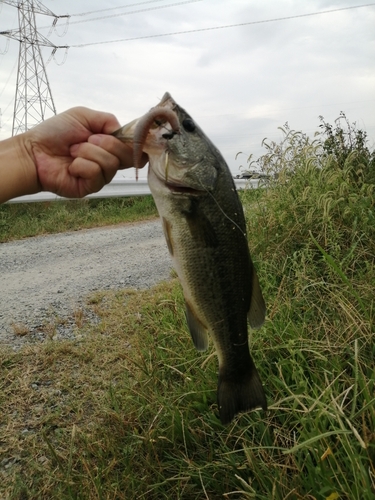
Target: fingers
{"type": "Point", "coordinates": [89, 175]}
{"type": "Point", "coordinates": [107, 163]}
{"type": "Point", "coordinates": [95, 128]}
{"type": "Point", "coordinates": [97, 122]}
{"type": "Point", "coordinates": [123, 152]}
{"type": "Point", "coordinates": [97, 161]}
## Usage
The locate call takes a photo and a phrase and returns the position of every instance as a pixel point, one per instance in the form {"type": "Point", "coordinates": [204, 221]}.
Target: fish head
{"type": "Point", "coordinates": [185, 161]}
{"type": "Point", "coordinates": [181, 157]}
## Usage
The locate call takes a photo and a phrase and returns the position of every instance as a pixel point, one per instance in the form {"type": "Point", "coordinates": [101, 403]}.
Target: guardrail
{"type": "Point", "coordinates": [118, 188]}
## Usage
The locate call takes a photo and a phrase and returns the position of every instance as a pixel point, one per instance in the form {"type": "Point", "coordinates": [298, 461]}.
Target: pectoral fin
{"type": "Point", "coordinates": [197, 330]}
{"type": "Point", "coordinates": [201, 229]}
{"type": "Point", "coordinates": [257, 311]}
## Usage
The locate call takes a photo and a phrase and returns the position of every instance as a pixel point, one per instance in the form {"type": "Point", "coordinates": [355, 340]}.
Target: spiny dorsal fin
{"type": "Point", "coordinates": [198, 331]}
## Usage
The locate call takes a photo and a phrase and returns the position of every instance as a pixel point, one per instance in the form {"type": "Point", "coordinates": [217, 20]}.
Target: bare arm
{"type": "Point", "coordinates": [17, 173]}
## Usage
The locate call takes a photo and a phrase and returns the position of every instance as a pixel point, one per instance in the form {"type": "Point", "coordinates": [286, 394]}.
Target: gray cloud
{"type": "Point", "coordinates": [240, 83]}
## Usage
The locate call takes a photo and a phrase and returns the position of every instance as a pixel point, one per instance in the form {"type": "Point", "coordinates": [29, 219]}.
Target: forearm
{"type": "Point", "coordinates": [18, 174]}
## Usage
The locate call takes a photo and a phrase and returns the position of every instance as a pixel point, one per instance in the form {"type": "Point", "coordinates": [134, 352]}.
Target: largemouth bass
{"type": "Point", "coordinates": [205, 231]}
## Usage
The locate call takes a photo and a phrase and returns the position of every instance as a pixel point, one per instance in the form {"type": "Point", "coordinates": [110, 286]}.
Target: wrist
{"type": "Point", "coordinates": [18, 175]}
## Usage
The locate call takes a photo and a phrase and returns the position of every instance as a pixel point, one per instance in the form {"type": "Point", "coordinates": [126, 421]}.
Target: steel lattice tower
{"type": "Point", "coordinates": [33, 100]}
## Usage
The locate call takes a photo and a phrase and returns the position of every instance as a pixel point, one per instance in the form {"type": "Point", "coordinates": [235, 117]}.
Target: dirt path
{"type": "Point", "coordinates": [53, 274]}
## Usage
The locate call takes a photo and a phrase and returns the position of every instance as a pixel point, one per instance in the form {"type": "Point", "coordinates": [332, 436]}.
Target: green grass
{"type": "Point", "coordinates": [32, 219]}
{"type": "Point", "coordinates": [128, 410]}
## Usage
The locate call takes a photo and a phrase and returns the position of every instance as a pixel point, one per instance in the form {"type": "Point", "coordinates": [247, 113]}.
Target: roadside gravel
{"type": "Point", "coordinates": [46, 277]}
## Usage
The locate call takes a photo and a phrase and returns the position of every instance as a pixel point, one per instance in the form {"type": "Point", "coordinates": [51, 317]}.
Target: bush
{"type": "Point", "coordinates": [312, 232]}
{"type": "Point", "coordinates": [347, 142]}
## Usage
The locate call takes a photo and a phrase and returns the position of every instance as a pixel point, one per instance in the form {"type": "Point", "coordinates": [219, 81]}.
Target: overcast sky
{"type": "Point", "coordinates": [239, 83]}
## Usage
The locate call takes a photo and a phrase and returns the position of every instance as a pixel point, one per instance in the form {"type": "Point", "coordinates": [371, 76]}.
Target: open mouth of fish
{"type": "Point", "coordinates": [180, 189]}
{"type": "Point", "coordinates": [176, 187]}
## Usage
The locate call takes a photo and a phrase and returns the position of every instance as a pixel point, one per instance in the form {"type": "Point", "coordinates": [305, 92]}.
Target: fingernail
{"type": "Point", "coordinates": [95, 139]}
{"type": "Point", "coordinates": [74, 149]}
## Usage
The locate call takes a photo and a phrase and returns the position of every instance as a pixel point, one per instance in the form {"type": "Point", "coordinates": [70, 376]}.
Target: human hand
{"type": "Point", "coordinates": [74, 154]}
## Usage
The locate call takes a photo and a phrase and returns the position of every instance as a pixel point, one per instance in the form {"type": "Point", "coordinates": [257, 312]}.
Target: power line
{"type": "Point", "coordinates": [116, 8]}
{"type": "Point", "coordinates": [9, 77]}
{"type": "Point", "coordinates": [136, 11]}
{"type": "Point", "coordinates": [3, 52]}
{"type": "Point", "coordinates": [36, 7]}
{"type": "Point", "coordinates": [149, 9]}
{"type": "Point", "coordinates": [277, 19]}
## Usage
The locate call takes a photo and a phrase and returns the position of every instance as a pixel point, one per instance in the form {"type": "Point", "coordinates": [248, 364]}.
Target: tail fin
{"type": "Point", "coordinates": [239, 394]}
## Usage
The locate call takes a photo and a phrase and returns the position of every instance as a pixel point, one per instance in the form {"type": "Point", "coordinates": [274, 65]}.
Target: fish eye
{"type": "Point", "coordinates": [188, 125]}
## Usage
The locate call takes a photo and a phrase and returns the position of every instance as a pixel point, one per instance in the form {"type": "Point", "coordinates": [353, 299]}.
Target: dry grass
{"type": "Point", "coordinates": [128, 410]}
{"type": "Point", "coordinates": [20, 329]}
{"type": "Point", "coordinates": [51, 393]}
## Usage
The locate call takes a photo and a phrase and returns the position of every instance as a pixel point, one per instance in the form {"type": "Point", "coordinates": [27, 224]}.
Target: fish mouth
{"type": "Point", "coordinates": [160, 170]}
{"type": "Point", "coordinates": [180, 189]}
{"type": "Point", "coordinates": [167, 100]}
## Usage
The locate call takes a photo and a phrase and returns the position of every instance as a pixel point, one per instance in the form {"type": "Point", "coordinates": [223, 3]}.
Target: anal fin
{"type": "Point", "coordinates": [257, 311]}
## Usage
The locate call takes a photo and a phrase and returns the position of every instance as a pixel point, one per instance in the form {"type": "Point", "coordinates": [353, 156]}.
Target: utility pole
{"type": "Point", "coordinates": [33, 99]}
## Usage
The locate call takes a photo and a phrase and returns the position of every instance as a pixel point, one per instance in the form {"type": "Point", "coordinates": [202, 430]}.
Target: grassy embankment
{"type": "Point", "coordinates": [128, 410]}
{"type": "Point", "coordinates": [32, 219]}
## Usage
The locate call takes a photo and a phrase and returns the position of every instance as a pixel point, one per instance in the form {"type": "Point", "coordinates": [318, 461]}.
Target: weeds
{"type": "Point", "coordinates": [32, 219]}
{"type": "Point", "coordinates": [20, 329]}
{"type": "Point", "coordinates": [129, 409]}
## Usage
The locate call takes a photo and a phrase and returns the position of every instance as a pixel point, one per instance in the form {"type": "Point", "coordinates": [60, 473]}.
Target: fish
{"type": "Point", "coordinates": [205, 231]}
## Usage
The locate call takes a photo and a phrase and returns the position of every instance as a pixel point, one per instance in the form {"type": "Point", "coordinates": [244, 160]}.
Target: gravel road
{"type": "Point", "coordinates": [49, 276]}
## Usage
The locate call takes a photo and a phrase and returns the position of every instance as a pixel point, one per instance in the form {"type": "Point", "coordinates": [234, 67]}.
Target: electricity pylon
{"type": "Point", "coordinates": [33, 98]}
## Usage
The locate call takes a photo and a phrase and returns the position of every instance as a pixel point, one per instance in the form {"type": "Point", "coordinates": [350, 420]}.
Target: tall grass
{"type": "Point", "coordinates": [23, 220]}
{"type": "Point", "coordinates": [129, 409]}
{"type": "Point", "coordinates": [314, 237]}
